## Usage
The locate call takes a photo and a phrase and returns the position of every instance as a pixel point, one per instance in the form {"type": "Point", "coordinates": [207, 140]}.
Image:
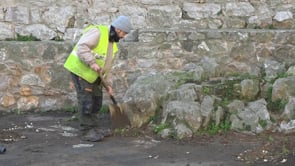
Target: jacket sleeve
{"type": "Point", "coordinates": [85, 45]}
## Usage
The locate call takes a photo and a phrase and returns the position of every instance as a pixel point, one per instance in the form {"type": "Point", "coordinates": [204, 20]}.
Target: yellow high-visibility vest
{"type": "Point", "coordinates": [78, 67]}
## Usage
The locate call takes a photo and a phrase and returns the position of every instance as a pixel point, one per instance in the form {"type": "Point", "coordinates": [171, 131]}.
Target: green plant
{"type": "Point", "coordinates": [257, 27]}
{"type": "Point", "coordinates": [270, 139]}
{"type": "Point", "coordinates": [271, 26]}
{"type": "Point", "coordinates": [120, 131]}
{"type": "Point", "coordinates": [263, 123]}
{"type": "Point", "coordinates": [23, 38]}
{"type": "Point", "coordinates": [225, 102]}
{"type": "Point", "coordinates": [18, 111]}
{"type": "Point", "coordinates": [279, 75]}
{"type": "Point", "coordinates": [160, 127]}
{"type": "Point", "coordinates": [278, 105]}
{"type": "Point", "coordinates": [282, 75]}
{"type": "Point", "coordinates": [180, 78]}
{"type": "Point", "coordinates": [152, 119]}
{"type": "Point", "coordinates": [272, 119]}
{"type": "Point", "coordinates": [293, 111]}
{"type": "Point", "coordinates": [225, 125]}
{"type": "Point", "coordinates": [285, 150]}
{"type": "Point", "coordinates": [206, 90]}
{"type": "Point", "coordinates": [214, 129]}
{"type": "Point", "coordinates": [104, 109]}
{"type": "Point", "coordinates": [173, 134]}
{"type": "Point", "coordinates": [156, 117]}
{"type": "Point", "coordinates": [247, 127]}
{"type": "Point", "coordinates": [71, 109]}
{"type": "Point", "coordinates": [269, 93]}
{"type": "Point", "coordinates": [219, 13]}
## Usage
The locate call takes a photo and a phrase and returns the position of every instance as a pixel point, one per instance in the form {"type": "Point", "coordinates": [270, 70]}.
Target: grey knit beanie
{"type": "Point", "coordinates": [123, 23]}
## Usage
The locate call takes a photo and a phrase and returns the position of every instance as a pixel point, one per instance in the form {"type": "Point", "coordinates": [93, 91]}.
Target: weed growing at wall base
{"type": "Point", "coordinates": [104, 109]}
{"type": "Point", "coordinates": [214, 129]}
{"type": "Point", "coordinates": [23, 38]}
{"type": "Point", "coordinates": [158, 128]}
{"type": "Point", "coordinates": [275, 106]}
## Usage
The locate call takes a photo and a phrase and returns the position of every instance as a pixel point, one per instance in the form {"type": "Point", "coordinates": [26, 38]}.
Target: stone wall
{"type": "Point", "coordinates": [216, 37]}
{"type": "Point", "coordinates": [64, 19]}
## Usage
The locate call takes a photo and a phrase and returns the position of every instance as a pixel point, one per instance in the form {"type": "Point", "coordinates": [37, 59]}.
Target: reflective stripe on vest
{"type": "Point", "coordinates": [76, 66]}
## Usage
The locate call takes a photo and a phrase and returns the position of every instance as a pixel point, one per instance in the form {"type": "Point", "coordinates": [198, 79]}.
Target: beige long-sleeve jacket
{"type": "Point", "coordinates": [84, 50]}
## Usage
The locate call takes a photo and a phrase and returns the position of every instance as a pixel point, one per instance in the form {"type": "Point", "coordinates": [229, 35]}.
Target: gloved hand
{"type": "Point", "coordinates": [95, 67]}
{"type": "Point", "coordinates": [110, 90]}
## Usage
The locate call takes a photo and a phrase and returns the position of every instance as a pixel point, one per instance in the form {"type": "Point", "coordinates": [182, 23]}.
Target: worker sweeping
{"type": "Point", "coordinates": [90, 62]}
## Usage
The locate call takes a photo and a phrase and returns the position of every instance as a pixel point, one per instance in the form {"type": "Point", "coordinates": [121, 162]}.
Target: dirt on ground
{"type": "Point", "coordinates": [50, 138]}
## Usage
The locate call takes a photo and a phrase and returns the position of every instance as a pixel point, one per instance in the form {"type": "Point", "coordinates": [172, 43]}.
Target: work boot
{"type": "Point", "coordinates": [92, 136]}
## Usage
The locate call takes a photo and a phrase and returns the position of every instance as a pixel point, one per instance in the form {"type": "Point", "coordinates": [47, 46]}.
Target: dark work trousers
{"type": "Point", "coordinates": [90, 98]}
